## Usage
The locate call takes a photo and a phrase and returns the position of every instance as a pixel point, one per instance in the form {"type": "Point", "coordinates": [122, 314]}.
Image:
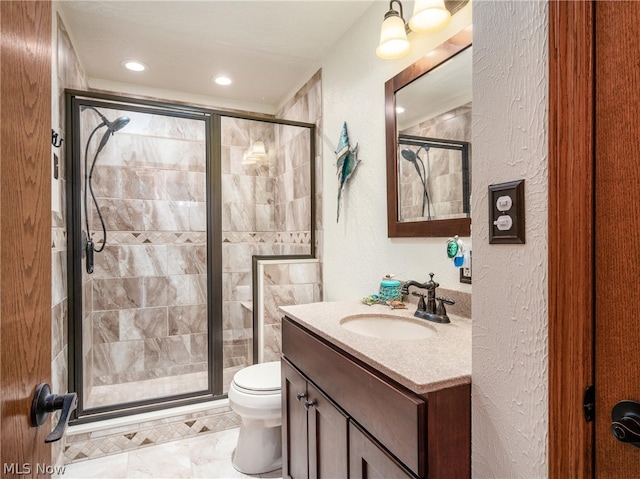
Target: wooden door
{"type": "Point", "coordinates": [295, 459]}
{"type": "Point", "coordinates": [25, 230]}
{"type": "Point", "coordinates": [328, 438]}
{"type": "Point", "coordinates": [617, 220]}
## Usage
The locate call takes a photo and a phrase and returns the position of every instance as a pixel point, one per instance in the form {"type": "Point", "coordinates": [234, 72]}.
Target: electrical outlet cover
{"type": "Point", "coordinates": [515, 234]}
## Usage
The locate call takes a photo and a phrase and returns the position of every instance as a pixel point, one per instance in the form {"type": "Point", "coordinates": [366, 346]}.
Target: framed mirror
{"type": "Point", "coordinates": [428, 143]}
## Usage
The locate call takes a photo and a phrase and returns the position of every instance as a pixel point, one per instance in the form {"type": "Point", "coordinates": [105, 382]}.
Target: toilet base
{"type": "Point", "coordinates": [259, 448]}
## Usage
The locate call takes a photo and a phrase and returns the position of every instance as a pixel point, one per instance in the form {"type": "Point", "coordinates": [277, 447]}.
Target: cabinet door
{"type": "Point", "coordinates": [328, 437]}
{"type": "Point", "coordinates": [368, 461]}
{"type": "Point", "coordinates": [295, 457]}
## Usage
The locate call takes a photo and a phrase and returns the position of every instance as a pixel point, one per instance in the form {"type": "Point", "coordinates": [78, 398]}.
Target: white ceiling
{"type": "Point", "coordinates": [267, 47]}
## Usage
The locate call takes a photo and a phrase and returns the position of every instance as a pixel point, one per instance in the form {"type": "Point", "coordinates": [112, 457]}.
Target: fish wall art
{"type": "Point", "coordinates": [346, 164]}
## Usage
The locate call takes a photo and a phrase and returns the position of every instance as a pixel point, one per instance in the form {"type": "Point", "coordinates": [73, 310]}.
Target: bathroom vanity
{"type": "Point", "coordinates": [362, 405]}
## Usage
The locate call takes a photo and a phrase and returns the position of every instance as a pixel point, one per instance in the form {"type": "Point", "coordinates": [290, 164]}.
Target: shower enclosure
{"type": "Point", "coordinates": [167, 206]}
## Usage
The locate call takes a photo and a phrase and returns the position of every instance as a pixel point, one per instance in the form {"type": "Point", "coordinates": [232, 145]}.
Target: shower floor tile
{"type": "Point", "coordinates": [145, 389]}
{"type": "Point", "coordinates": [153, 388]}
{"type": "Point", "coordinates": [202, 457]}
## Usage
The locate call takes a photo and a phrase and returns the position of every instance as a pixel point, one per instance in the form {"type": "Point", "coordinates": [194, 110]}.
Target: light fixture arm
{"type": "Point", "coordinates": [392, 12]}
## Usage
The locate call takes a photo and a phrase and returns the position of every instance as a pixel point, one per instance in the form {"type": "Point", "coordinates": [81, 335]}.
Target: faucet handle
{"type": "Point", "coordinates": [422, 306]}
{"type": "Point", "coordinates": [448, 301]}
{"type": "Point", "coordinates": [441, 310]}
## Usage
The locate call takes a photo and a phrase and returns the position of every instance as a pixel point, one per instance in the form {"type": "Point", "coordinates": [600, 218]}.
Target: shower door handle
{"type": "Point", "coordinates": [44, 403]}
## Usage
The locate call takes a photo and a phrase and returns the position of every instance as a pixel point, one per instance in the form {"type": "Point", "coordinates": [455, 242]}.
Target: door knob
{"type": "Point", "coordinates": [626, 422]}
{"type": "Point", "coordinates": [44, 403]}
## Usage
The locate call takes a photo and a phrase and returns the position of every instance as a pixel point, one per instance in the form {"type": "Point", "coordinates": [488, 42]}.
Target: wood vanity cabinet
{"type": "Point", "coordinates": [343, 419]}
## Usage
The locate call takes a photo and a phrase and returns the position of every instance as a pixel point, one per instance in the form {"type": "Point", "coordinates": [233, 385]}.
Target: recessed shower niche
{"type": "Point", "coordinates": [167, 205]}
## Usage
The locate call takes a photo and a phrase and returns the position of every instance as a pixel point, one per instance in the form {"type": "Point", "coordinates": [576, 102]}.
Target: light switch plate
{"type": "Point", "coordinates": [515, 234]}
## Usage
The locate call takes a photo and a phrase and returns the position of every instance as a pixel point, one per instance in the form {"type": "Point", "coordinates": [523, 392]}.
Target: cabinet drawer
{"type": "Point", "coordinates": [394, 417]}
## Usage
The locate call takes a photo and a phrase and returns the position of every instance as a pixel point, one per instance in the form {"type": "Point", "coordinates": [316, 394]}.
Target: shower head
{"type": "Point", "coordinates": [409, 155]}
{"type": "Point", "coordinates": [118, 124]}
{"type": "Point", "coordinates": [112, 126]}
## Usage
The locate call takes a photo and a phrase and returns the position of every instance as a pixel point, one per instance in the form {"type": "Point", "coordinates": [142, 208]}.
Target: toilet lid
{"type": "Point", "coordinates": [259, 377]}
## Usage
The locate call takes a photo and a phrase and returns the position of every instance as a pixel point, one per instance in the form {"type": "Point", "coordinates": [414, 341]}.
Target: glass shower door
{"type": "Point", "coordinates": [144, 267]}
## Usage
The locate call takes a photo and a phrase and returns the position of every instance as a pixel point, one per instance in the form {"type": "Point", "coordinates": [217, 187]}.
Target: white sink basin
{"type": "Point", "coordinates": [387, 326]}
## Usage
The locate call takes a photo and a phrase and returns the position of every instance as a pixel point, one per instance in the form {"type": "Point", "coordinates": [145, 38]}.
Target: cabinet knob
{"type": "Point", "coordinates": [309, 404]}
{"type": "Point", "coordinates": [300, 396]}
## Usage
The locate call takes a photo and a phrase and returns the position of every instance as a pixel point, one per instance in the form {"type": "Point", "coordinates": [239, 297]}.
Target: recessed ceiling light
{"type": "Point", "coordinates": [134, 65]}
{"type": "Point", "coordinates": [222, 80]}
{"type": "Point", "coordinates": [399, 109]}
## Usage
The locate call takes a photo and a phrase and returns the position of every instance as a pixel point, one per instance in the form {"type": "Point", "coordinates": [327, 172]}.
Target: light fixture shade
{"type": "Point", "coordinates": [429, 16]}
{"type": "Point", "coordinates": [393, 38]}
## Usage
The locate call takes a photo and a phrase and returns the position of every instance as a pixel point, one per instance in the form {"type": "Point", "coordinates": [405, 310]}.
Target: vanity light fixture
{"type": "Point", "coordinates": [134, 66]}
{"type": "Point", "coordinates": [428, 16]}
{"type": "Point", "coordinates": [393, 34]}
{"type": "Point", "coordinates": [255, 155]}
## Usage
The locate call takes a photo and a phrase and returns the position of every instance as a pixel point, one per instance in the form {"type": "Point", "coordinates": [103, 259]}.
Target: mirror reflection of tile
{"type": "Point", "coordinates": [431, 176]}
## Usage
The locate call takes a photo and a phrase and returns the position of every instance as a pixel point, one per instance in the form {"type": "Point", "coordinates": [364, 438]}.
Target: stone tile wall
{"type": "Point", "coordinates": [67, 73]}
{"type": "Point", "coordinates": [286, 284]}
{"type": "Point", "coordinates": [266, 212]}
{"type": "Point", "coordinates": [148, 294]}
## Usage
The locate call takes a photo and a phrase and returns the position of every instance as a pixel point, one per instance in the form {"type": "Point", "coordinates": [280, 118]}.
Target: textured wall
{"type": "Point", "coordinates": [357, 250]}
{"type": "Point", "coordinates": [509, 304]}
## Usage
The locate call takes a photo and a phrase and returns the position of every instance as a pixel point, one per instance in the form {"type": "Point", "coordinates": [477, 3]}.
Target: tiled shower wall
{"type": "Point", "coordinates": [247, 229]}
{"type": "Point", "coordinates": [266, 212]}
{"type": "Point", "coordinates": [287, 284]}
{"type": "Point", "coordinates": [67, 73]}
{"type": "Point", "coordinates": [148, 297]}
{"type": "Point", "coordinates": [445, 178]}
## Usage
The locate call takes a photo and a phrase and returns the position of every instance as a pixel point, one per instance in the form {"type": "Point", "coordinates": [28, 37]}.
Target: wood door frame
{"type": "Point", "coordinates": [25, 230]}
{"type": "Point", "coordinates": [571, 235]}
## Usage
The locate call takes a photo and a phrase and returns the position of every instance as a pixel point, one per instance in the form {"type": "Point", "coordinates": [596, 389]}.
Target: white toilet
{"type": "Point", "coordinates": [255, 396]}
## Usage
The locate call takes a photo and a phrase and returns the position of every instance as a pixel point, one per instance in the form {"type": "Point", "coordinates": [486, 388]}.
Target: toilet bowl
{"type": "Point", "coordinates": [254, 394]}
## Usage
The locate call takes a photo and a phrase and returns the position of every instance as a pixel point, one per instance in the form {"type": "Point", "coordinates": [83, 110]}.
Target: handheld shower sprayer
{"type": "Point", "coordinates": [112, 126]}
{"type": "Point", "coordinates": [414, 158]}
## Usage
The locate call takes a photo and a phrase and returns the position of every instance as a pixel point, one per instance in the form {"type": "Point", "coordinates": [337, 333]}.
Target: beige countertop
{"type": "Point", "coordinates": [422, 365]}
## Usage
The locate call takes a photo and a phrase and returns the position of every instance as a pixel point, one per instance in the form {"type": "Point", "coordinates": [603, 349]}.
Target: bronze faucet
{"type": "Point", "coordinates": [429, 310]}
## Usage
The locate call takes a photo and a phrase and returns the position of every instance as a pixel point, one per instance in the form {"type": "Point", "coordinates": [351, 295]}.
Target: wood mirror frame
{"type": "Point", "coordinates": [426, 228]}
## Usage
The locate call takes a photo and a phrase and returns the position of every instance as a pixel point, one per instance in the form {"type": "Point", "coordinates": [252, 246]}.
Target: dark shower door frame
{"type": "Point", "coordinates": [212, 118]}
{"type": "Point", "coordinates": [74, 101]}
